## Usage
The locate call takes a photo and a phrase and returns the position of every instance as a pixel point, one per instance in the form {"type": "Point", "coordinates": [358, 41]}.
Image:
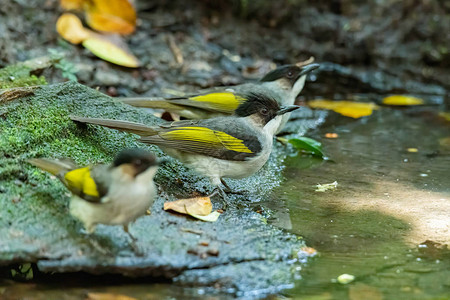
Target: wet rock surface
{"type": "Point", "coordinates": [36, 226]}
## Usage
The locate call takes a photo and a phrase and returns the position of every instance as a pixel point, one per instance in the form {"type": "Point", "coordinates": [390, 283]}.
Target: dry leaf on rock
{"type": "Point", "coordinates": [200, 206]}
{"type": "Point", "coordinates": [212, 217]}
{"type": "Point", "coordinates": [111, 48]}
{"type": "Point", "coordinates": [70, 28]}
{"type": "Point", "coordinates": [117, 16]}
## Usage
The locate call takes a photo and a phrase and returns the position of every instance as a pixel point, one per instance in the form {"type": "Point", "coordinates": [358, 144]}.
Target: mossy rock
{"type": "Point", "coordinates": [36, 226]}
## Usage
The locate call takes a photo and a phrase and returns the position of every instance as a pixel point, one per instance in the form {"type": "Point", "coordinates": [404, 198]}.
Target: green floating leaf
{"type": "Point", "coordinates": [308, 145]}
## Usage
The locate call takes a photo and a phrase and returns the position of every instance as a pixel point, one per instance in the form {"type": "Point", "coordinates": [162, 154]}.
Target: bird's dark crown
{"type": "Point", "coordinates": [139, 158]}
{"type": "Point", "coordinates": [266, 107]}
{"type": "Point", "coordinates": [290, 72]}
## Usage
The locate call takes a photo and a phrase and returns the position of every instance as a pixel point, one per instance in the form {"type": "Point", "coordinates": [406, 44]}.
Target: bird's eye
{"type": "Point", "coordinates": [290, 74]}
{"type": "Point", "coordinates": [138, 162]}
{"type": "Point", "coordinates": [264, 111]}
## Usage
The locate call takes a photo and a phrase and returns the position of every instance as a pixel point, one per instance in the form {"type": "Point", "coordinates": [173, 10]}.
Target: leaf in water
{"type": "Point", "coordinates": [346, 108]}
{"type": "Point", "coordinates": [108, 296]}
{"type": "Point", "coordinates": [326, 186]}
{"type": "Point", "coordinates": [71, 4]}
{"type": "Point", "coordinates": [111, 48]}
{"type": "Point", "coordinates": [309, 250]}
{"type": "Point", "coordinates": [71, 29]}
{"type": "Point", "coordinates": [345, 278]}
{"type": "Point", "coordinates": [402, 100]}
{"type": "Point", "coordinates": [307, 144]}
{"type": "Point", "coordinates": [331, 135]}
{"type": "Point", "coordinates": [117, 16]}
{"type": "Point", "coordinates": [212, 217]}
{"type": "Point", "coordinates": [193, 206]}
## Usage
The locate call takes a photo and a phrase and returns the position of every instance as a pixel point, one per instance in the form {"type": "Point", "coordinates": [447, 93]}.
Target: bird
{"type": "Point", "coordinates": [235, 146]}
{"type": "Point", "coordinates": [283, 84]}
{"type": "Point", "coordinates": [115, 194]}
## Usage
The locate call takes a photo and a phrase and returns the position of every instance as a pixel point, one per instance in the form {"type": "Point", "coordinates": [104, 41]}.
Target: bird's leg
{"type": "Point", "coordinates": [133, 243]}
{"type": "Point", "coordinates": [219, 190]}
{"type": "Point", "coordinates": [88, 231]}
{"type": "Point", "coordinates": [229, 190]}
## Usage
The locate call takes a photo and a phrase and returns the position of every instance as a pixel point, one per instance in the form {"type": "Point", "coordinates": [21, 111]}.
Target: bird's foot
{"type": "Point", "coordinates": [223, 196]}
{"type": "Point", "coordinates": [138, 251]}
{"type": "Point", "coordinates": [229, 190]}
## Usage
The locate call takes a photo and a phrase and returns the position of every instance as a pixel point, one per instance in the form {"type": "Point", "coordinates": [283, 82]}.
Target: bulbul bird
{"type": "Point", "coordinates": [224, 147]}
{"type": "Point", "coordinates": [115, 194]}
{"type": "Point", "coordinates": [283, 84]}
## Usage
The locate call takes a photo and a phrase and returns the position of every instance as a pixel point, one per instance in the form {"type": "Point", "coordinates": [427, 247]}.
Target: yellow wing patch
{"type": "Point", "coordinates": [226, 102]}
{"type": "Point", "coordinates": [207, 136]}
{"type": "Point", "coordinates": [81, 179]}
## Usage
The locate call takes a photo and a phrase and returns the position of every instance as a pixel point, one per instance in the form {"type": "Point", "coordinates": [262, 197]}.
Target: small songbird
{"type": "Point", "coordinates": [283, 84]}
{"type": "Point", "coordinates": [115, 194]}
{"type": "Point", "coordinates": [224, 147]}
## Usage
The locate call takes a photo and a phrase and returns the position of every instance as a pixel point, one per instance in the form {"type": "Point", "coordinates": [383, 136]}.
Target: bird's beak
{"type": "Point", "coordinates": [308, 68]}
{"type": "Point", "coordinates": [286, 109]}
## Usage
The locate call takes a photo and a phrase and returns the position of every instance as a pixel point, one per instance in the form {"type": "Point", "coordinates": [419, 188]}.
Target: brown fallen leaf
{"type": "Point", "coordinates": [331, 135]}
{"type": "Point", "coordinates": [117, 16]}
{"type": "Point", "coordinates": [201, 206]}
{"type": "Point", "coordinates": [70, 28]}
{"type": "Point", "coordinates": [108, 296]}
{"type": "Point", "coordinates": [309, 250]}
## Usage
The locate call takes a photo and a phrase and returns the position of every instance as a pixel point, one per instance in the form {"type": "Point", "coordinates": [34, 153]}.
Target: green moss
{"type": "Point", "coordinates": [19, 75]}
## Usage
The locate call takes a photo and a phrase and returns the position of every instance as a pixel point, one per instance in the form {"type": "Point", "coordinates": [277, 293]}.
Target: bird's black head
{"type": "Point", "coordinates": [289, 73]}
{"type": "Point", "coordinates": [262, 107]}
{"type": "Point", "coordinates": [139, 159]}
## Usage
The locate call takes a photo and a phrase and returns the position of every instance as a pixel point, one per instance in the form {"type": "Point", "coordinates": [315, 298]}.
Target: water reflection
{"type": "Point", "coordinates": [373, 225]}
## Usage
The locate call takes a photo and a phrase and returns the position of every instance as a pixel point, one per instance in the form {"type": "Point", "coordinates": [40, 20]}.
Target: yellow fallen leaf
{"type": "Point", "coordinates": [212, 217]}
{"type": "Point", "coordinates": [402, 100]}
{"type": "Point", "coordinates": [201, 206]}
{"type": "Point", "coordinates": [71, 29]}
{"type": "Point", "coordinates": [412, 150]}
{"type": "Point", "coordinates": [112, 49]}
{"type": "Point", "coordinates": [71, 4]}
{"type": "Point", "coordinates": [108, 296]}
{"type": "Point", "coordinates": [445, 115]}
{"type": "Point", "coordinates": [116, 16]}
{"type": "Point", "coordinates": [345, 108]}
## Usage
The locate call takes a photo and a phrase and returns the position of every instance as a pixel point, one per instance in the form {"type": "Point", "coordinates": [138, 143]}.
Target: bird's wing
{"type": "Point", "coordinates": [89, 183]}
{"type": "Point", "coordinates": [84, 182]}
{"type": "Point", "coordinates": [220, 100]}
{"type": "Point", "coordinates": [230, 140]}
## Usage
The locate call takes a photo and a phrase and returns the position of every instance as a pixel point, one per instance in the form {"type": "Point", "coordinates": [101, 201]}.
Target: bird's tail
{"type": "Point", "coordinates": [132, 127]}
{"type": "Point", "coordinates": [52, 166]}
{"type": "Point", "coordinates": [181, 109]}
